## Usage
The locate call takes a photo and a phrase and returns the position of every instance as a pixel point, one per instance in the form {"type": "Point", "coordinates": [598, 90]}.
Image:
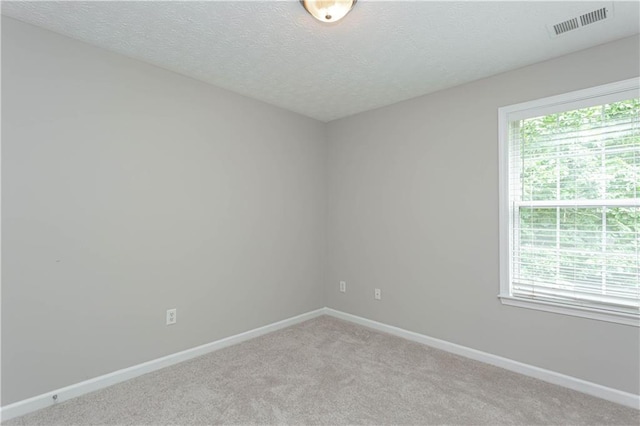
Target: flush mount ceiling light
{"type": "Point", "coordinates": [328, 10]}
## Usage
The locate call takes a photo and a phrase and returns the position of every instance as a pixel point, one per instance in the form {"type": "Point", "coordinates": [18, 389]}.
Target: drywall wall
{"type": "Point", "coordinates": [413, 210]}
{"type": "Point", "coordinates": [128, 190]}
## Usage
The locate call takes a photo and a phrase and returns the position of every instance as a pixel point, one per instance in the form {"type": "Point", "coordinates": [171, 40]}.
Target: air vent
{"type": "Point", "coordinates": [595, 16]}
{"type": "Point", "coordinates": [565, 26]}
{"type": "Point", "coordinates": [580, 21]}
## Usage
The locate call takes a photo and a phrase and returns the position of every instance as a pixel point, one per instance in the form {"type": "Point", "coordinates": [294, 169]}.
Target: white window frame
{"type": "Point", "coordinates": [607, 93]}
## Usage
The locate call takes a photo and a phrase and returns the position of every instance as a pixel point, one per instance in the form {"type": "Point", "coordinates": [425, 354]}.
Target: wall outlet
{"type": "Point", "coordinates": [172, 316]}
{"type": "Point", "coordinates": [343, 286]}
{"type": "Point", "coordinates": [377, 294]}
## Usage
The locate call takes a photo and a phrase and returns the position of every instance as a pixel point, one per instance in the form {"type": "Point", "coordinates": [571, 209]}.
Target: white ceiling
{"type": "Point", "coordinates": [381, 53]}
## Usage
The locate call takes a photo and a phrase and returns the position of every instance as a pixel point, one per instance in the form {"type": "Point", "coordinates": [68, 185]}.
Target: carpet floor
{"type": "Point", "coordinates": [328, 371]}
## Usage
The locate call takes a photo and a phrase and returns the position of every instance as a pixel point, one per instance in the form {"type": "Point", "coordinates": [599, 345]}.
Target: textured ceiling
{"type": "Point", "coordinates": [381, 53]}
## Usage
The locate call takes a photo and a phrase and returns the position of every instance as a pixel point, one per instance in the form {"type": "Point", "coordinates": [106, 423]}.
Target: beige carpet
{"type": "Point", "coordinates": [327, 371]}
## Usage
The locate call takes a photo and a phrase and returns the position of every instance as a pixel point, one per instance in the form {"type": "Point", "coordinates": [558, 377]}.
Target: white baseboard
{"type": "Point", "coordinates": [26, 406]}
{"type": "Point", "coordinates": [590, 388]}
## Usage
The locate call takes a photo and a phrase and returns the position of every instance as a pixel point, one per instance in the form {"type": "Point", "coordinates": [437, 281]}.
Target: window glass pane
{"type": "Point", "coordinates": [579, 176]}
{"type": "Point", "coordinates": [590, 153]}
{"type": "Point", "coordinates": [539, 179]}
{"type": "Point", "coordinates": [580, 248]}
{"type": "Point", "coordinates": [538, 227]}
{"type": "Point", "coordinates": [538, 232]}
{"type": "Point", "coordinates": [622, 169]}
{"type": "Point", "coordinates": [622, 251]}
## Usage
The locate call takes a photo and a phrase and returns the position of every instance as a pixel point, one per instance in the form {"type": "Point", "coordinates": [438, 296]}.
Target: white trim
{"type": "Point", "coordinates": [590, 388]}
{"type": "Point", "coordinates": [606, 93]}
{"type": "Point", "coordinates": [503, 202]}
{"type": "Point", "coordinates": [576, 311]}
{"type": "Point", "coordinates": [46, 399]}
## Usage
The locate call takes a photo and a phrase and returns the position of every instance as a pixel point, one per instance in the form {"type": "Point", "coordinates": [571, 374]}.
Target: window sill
{"type": "Point", "coordinates": [576, 311]}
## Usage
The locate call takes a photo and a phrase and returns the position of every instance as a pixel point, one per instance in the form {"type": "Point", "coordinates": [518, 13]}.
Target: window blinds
{"type": "Point", "coordinates": [574, 181]}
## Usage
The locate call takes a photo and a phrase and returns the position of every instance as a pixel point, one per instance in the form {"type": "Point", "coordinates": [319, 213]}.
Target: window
{"type": "Point", "coordinates": [569, 206]}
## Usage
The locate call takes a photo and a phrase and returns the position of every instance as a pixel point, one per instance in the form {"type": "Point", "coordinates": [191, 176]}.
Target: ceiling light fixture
{"type": "Point", "coordinates": [328, 10]}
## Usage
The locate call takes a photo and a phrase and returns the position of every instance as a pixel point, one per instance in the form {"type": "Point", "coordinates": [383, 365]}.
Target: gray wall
{"type": "Point", "coordinates": [413, 210]}
{"type": "Point", "coordinates": [128, 190]}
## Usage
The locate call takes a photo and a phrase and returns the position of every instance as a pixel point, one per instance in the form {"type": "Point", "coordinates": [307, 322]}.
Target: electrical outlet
{"type": "Point", "coordinates": [377, 294]}
{"type": "Point", "coordinates": [172, 316]}
{"type": "Point", "coordinates": [343, 286]}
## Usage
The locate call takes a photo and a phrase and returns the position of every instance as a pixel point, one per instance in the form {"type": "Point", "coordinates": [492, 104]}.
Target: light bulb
{"type": "Point", "coordinates": [328, 10]}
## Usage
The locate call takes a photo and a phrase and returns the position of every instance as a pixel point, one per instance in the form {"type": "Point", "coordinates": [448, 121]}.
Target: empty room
{"type": "Point", "coordinates": [320, 212]}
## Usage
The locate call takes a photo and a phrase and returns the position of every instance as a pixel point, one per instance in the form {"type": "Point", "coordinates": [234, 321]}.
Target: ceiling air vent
{"type": "Point", "coordinates": [580, 21]}
{"type": "Point", "coordinates": [565, 26]}
{"type": "Point", "coordinates": [595, 16]}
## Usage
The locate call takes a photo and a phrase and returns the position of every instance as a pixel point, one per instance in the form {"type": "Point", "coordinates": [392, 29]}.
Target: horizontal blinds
{"type": "Point", "coordinates": [574, 182]}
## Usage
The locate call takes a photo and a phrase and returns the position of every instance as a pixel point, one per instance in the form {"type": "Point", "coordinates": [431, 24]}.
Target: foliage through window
{"type": "Point", "coordinates": [570, 197]}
